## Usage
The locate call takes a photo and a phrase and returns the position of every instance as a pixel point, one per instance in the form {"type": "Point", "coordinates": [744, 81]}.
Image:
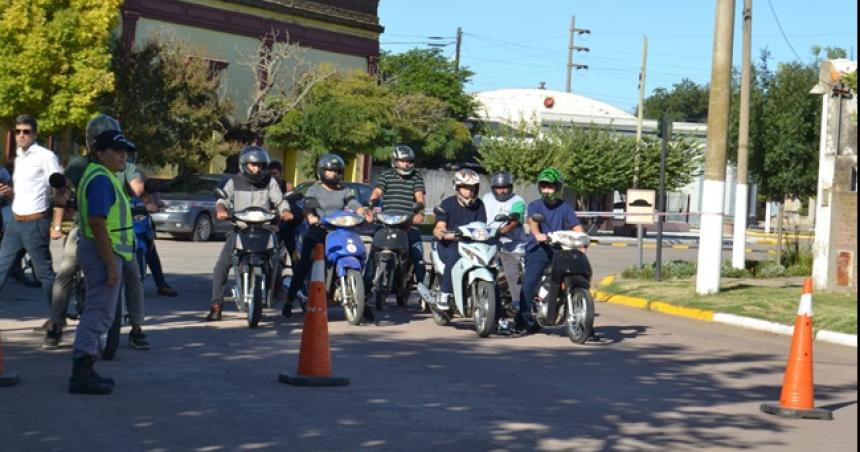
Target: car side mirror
{"type": "Point", "coordinates": [220, 194]}
{"type": "Point", "coordinates": [538, 218]}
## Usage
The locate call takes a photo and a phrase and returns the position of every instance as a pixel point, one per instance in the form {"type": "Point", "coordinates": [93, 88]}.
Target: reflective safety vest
{"type": "Point", "coordinates": [119, 220]}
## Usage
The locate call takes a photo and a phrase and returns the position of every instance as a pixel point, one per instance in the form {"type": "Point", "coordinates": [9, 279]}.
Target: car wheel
{"type": "Point", "coordinates": [202, 228]}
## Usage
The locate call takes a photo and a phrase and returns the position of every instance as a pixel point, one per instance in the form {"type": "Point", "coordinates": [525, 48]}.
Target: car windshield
{"type": "Point", "coordinates": [194, 185]}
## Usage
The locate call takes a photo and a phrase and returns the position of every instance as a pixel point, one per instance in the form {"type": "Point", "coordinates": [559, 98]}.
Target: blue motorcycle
{"type": "Point", "coordinates": [345, 258]}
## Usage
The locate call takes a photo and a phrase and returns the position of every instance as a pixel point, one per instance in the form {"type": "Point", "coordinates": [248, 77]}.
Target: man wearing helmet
{"type": "Point", "coordinates": [322, 198]}
{"type": "Point", "coordinates": [558, 216]}
{"type": "Point", "coordinates": [513, 238]}
{"type": "Point", "coordinates": [131, 180]}
{"type": "Point", "coordinates": [455, 211]}
{"type": "Point", "coordinates": [252, 187]}
{"type": "Point", "coordinates": [401, 189]}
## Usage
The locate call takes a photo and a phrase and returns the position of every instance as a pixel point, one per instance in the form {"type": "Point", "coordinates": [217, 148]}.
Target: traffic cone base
{"type": "Point", "coordinates": [814, 413]}
{"type": "Point", "coordinates": [314, 354]}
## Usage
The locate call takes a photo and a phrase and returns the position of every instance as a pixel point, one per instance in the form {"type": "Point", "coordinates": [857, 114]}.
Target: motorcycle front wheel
{"type": "Point", "coordinates": [442, 318]}
{"type": "Point", "coordinates": [353, 306]}
{"type": "Point", "coordinates": [580, 314]}
{"type": "Point", "coordinates": [255, 301]}
{"type": "Point", "coordinates": [484, 299]}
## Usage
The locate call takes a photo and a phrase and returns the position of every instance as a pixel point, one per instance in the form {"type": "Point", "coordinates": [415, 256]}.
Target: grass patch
{"type": "Point", "coordinates": [767, 301]}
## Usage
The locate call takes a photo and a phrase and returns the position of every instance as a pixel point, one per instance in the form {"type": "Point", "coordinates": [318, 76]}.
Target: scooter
{"type": "Point", "coordinates": [256, 243]}
{"type": "Point", "coordinates": [563, 296]}
{"type": "Point", "coordinates": [390, 254]}
{"type": "Point", "coordinates": [345, 258]}
{"type": "Point", "coordinates": [473, 276]}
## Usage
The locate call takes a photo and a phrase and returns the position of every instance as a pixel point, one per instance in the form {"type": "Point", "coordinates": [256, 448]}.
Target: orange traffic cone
{"type": "Point", "coordinates": [6, 378]}
{"type": "Point", "coordinates": [314, 355]}
{"type": "Point", "coordinates": [796, 400]}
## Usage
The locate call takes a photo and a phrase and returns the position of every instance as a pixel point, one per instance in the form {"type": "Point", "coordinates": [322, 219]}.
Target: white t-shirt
{"type": "Point", "coordinates": [33, 167]}
{"type": "Point", "coordinates": [515, 241]}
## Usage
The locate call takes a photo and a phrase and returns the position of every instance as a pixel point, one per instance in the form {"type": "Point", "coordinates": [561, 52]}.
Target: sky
{"type": "Point", "coordinates": [518, 44]}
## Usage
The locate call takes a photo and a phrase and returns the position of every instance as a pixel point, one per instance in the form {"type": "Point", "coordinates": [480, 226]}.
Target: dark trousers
{"type": "Point", "coordinates": [154, 263]}
{"type": "Point", "coordinates": [449, 256]}
{"type": "Point", "coordinates": [536, 260]}
{"type": "Point", "coordinates": [300, 270]}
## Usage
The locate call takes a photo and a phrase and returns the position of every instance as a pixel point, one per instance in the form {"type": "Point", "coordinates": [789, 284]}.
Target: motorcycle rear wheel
{"type": "Point", "coordinates": [354, 306]}
{"type": "Point", "coordinates": [579, 318]}
{"type": "Point", "coordinates": [255, 303]}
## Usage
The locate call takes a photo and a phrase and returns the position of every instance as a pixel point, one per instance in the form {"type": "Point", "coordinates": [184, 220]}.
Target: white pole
{"type": "Point", "coordinates": [767, 217]}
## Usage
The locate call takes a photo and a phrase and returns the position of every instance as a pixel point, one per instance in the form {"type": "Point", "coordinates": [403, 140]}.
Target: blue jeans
{"type": "Point", "coordinates": [536, 260]}
{"type": "Point", "coordinates": [449, 256]}
{"type": "Point", "coordinates": [33, 236]}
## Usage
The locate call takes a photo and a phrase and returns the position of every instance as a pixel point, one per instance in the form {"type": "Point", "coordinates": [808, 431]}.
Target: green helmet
{"type": "Point", "coordinates": [551, 176]}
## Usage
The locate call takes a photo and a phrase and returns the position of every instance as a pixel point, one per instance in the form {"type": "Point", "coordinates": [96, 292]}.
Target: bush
{"type": "Point", "coordinates": [669, 270]}
{"type": "Point", "coordinates": [769, 269]}
{"type": "Point", "coordinates": [727, 271]}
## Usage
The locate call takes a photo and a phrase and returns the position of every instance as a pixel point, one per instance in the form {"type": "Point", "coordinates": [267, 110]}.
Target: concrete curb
{"type": "Point", "coordinates": [676, 246]}
{"type": "Point", "coordinates": [749, 323]}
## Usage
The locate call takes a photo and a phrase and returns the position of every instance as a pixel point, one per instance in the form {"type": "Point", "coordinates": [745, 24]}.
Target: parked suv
{"type": "Point", "coordinates": [189, 207]}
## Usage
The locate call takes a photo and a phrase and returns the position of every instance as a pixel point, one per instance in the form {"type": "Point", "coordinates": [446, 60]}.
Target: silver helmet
{"type": "Point", "coordinates": [502, 179]}
{"type": "Point", "coordinates": [403, 152]}
{"type": "Point", "coordinates": [467, 178]}
{"type": "Point", "coordinates": [97, 125]}
{"type": "Point", "coordinates": [254, 154]}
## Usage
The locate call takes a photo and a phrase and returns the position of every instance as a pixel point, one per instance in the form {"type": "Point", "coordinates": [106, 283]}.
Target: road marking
{"type": "Point", "coordinates": [619, 245]}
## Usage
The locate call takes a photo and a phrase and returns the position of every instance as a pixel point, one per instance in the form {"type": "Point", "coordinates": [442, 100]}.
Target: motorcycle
{"type": "Point", "coordinates": [390, 252]}
{"type": "Point", "coordinates": [252, 256]}
{"type": "Point", "coordinates": [345, 258]}
{"type": "Point", "coordinates": [473, 276]}
{"type": "Point", "coordinates": [563, 296]}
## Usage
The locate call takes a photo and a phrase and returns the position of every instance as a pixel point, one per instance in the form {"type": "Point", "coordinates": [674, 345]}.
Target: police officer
{"type": "Point", "coordinates": [106, 240]}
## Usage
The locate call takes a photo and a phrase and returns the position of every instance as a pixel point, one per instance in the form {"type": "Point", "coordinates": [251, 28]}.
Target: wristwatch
{"type": "Point", "coordinates": [57, 227]}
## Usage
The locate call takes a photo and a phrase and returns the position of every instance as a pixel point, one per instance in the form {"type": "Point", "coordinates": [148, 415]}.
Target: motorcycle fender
{"type": "Point", "coordinates": [458, 276]}
{"type": "Point", "coordinates": [345, 263]}
{"type": "Point", "coordinates": [481, 273]}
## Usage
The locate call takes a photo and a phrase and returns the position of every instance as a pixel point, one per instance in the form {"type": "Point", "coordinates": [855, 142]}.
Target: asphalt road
{"type": "Point", "coordinates": [653, 382]}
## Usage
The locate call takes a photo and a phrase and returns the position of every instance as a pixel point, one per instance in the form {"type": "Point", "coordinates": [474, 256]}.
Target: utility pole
{"type": "Point", "coordinates": [665, 129]}
{"type": "Point", "coordinates": [571, 48]}
{"type": "Point", "coordinates": [640, 229]}
{"type": "Point", "coordinates": [713, 193]}
{"type": "Point", "coordinates": [457, 52]}
{"type": "Point", "coordinates": [739, 238]}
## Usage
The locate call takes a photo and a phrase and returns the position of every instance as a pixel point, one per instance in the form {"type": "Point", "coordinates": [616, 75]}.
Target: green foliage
{"type": "Point", "coordinates": [851, 81]}
{"type": "Point", "coordinates": [687, 101]}
{"type": "Point", "coordinates": [769, 269]}
{"type": "Point", "coordinates": [54, 59]}
{"type": "Point", "coordinates": [593, 160]}
{"type": "Point", "coordinates": [428, 72]}
{"type": "Point", "coordinates": [168, 103]}
{"type": "Point", "coordinates": [669, 270]}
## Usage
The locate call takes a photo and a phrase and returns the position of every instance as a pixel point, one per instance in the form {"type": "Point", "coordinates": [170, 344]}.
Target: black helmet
{"type": "Point", "coordinates": [254, 154]}
{"type": "Point", "coordinates": [330, 162]}
{"type": "Point", "coordinates": [403, 152]}
{"type": "Point", "coordinates": [97, 125]}
{"type": "Point", "coordinates": [502, 179]}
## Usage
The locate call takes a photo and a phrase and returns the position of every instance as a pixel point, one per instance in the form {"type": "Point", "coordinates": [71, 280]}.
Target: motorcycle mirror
{"type": "Point", "coordinates": [502, 218]}
{"type": "Point", "coordinates": [292, 196]}
{"type": "Point", "coordinates": [220, 194]}
{"type": "Point", "coordinates": [151, 186]}
{"type": "Point", "coordinates": [538, 218]}
{"type": "Point", "coordinates": [57, 180]}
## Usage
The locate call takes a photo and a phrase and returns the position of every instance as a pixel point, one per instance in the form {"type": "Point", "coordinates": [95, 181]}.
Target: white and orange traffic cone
{"type": "Point", "coordinates": [797, 398]}
{"type": "Point", "coordinates": [315, 355]}
{"type": "Point", "coordinates": [6, 378]}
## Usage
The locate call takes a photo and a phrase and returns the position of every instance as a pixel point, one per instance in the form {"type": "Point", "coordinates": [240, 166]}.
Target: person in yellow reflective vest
{"type": "Point", "coordinates": [106, 240]}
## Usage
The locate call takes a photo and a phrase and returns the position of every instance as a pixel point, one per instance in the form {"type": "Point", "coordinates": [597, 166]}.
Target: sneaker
{"type": "Point", "coordinates": [167, 291]}
{"type": "Point", "coordinates": [52, 338]}
{"type": "Point", "coordinates": [214, 313]}
{"type": "Point", "coordinates": [442, 301]}
{"type": "Point", "coordinates": [287, 310]}
{"type": "Point", "coordinates": [137, 340]}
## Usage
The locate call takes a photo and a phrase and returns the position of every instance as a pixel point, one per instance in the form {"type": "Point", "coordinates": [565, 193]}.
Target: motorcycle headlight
{"type": "Point", "coordinates": [345, 221]}
{"type": "Point", "coordinates": [255, 216]}
{"type": "Point", "coordinates": [479, 234]}
{"type": "Point", "coordinates": [182, 207]}
{"type": "Point", "coordinates": [392, 220]}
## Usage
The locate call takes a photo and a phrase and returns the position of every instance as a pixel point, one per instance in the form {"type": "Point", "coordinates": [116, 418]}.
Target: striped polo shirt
{"type": "Point", "coordinates": [398, 192]}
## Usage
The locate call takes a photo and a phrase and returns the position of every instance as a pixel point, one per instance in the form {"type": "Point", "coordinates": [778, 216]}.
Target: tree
{"type": "Point", "coordinates": [168, 102]}
{"type": "Point", "coordinates": [347, 114]}
{"type": "Point", "coordinates": [54, 60]}
{"type": "Point", "coordinates": [687, 101]}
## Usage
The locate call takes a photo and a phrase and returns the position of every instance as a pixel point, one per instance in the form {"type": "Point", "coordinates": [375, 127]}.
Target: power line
{"type": "Point", "coordinates": [783, 32]}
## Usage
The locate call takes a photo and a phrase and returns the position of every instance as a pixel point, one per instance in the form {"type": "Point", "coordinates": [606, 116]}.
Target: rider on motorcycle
{"type": "Point", "coordinates": [558, 216]}
{"type": "Point", "coordinates": [513, 238]}
{"type": "Point", "coordinates": [400, 188]}
{"type": "Point", "coordinates": [455, 211]}
{"type": "Point", "coordinates": [252, 187]}
{"type": "Point", "coordinates": [322, 198]}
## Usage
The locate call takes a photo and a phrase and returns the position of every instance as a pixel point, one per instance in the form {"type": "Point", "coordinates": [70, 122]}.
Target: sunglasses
{"type": "Point", "coordinates": [23, 131]}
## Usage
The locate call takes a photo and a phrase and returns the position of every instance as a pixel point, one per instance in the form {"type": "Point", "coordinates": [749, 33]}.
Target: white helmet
{"type": "Point", "coordinates": [469, 178]}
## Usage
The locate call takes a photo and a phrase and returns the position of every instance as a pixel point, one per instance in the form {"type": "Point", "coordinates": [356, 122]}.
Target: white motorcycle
{"type": "Point", "coordinates": [473, 278]}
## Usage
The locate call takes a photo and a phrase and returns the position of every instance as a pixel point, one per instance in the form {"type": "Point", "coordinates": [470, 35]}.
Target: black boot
{"type": "Point", "coordinates": [53, 337]}
{"type": "Point", "coordinates": [85, 380]}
